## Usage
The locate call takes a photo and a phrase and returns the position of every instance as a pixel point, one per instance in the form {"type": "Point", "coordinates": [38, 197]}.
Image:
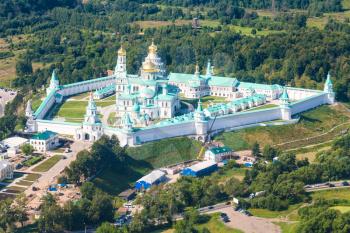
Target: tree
{"type": "Point", "coordinates": [27, 149]}
{"type": "Point", "coordinates": [20, 211]}
{"type": "Point", "coordinates": [256, 149]}
{"type": "Point", "coordinates": [269, 152]}
{"type": "Point", "coordinates": [24, 67]}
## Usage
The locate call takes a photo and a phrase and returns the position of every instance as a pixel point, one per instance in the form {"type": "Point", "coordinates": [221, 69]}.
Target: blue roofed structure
{"type": "Point", "coordinates": [153, 178]}
{"type": "Point", "coordinates": [200, 169]}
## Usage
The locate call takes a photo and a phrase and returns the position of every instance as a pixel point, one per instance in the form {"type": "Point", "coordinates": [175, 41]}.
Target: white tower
{"type": "Point", "coordinates": [209, 69]}
{"type": "Point", "coordinates": [286, 111]}
{"type": "Point", "coordinates": [29, 111]}
{"type": "Point", "coordinates": [328, 88]}
{"type": "Point", "coordinates": [91, 129]}
{"type": "Point", "coordinates": [30, 124]}
{"type": "Point", "coordinates": [54, 83]}
{"type": "Point", "coordinates": [120, 68]}
{"type": "Point", "coordinates": [201, 124]}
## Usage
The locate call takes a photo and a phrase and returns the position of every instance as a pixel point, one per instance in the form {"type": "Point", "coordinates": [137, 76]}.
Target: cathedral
{"type": "Point", "coordinates": [147, 96]}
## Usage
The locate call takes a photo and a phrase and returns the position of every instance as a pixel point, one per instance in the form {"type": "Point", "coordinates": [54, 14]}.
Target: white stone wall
{"type": "Point", "coordinates": [299, 93]}
{"type": "Point", "coordinates": [309, 103]}
{"type": "Point", "coordinates": [81, 87]}
{"type": "Point", "coordinates": [58, 127]}
{"type": "Point", "coordinates": [245, 118]}
{"type": "Point", "coordinates": [169, 131]}
{"type": "Point", "coordinates": [48, 105]}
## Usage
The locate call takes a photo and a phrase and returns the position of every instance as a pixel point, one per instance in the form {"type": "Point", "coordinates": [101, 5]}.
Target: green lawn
{"type": "Point", "coordinates": [266, 106]}
{"type": "Point", "coordinates": [24, 183]}
{"type": "Point", "coordinates": [248, 31]}
{"type": "Point", "coordinates": [225, 173]}
{"type": "Point", "coordinates": [206, 101]}
{"type": "Point", "coordinates": [342, 194]}
{"type": "Point", "coordinates": [47, 164]}
{"type": "Point", "coordinates": [312, 123]}
{"type": "Point", "coordinates": [31, 177]}
{"type": "Point", "coordinates": [214, 225]}
{"type": "Point", "coordinates": [287, 227]}
{"type": "Point", "coordinates": [291, 213]}
{"type": "Point", "coordinates": [342, 209]}
{"type": "Point", "coordinates": [33, 160]}
{"type": "Point", "coordinates": [145, 158]}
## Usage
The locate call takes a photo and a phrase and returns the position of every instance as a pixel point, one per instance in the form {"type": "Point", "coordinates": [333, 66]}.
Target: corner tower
{"type": "Point", "coordinates": [54, 83]}
{"type": "Point", "coordinates": [200, 122]}
{"type": "Point", "coordinates": [286, 111]}
{"type": "Point", "coordinates": [328, 88]}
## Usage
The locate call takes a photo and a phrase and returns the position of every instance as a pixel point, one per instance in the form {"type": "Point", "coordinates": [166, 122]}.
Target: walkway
{"type": "Point", "coordinates": [106, 112]}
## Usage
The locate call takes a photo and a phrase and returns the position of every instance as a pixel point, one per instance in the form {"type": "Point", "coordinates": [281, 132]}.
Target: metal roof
{"type": "Point", "coordinates": [219, 150]}
{"type": "Point", "coordinates": [152, 177]}
{"type": "Point", "coordinates": [44, 135]}
{"type": "Point", "coordinates": [202, 165]}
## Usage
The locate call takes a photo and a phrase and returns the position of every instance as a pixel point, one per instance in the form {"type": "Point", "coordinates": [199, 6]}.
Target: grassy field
{"type": "Point", "coordinates": [31, 177]}
{"type": "Point", "coordinates": [24, 183]}
{"type": "Point", "coordinates": [179, 22]}
{"type": "Point", "coordinates": [74, 109]}
{"type": "Point", "coordinates": [47, 164]}
{"type": "Point", "coordinates": [248, 31]}
{"type": "Point", "coordinates": [343, 194]}
{"type": "Point", "coordinates": [214, 225]}
{"type": "Point", "coordinates": [290, 213]}
{"type": "Point", "coordinates": [237, 173]}
{"type": "Point", "coordinates": [266, 106]}
{"type": "Point", "coordinates": [312, 123]}
{"type": "Point", "coordinates": [311, 155]}
{"type": "Point", "coordinates": [145, 158]}
{"type": "Point", "coordinates": [206, 101]}
{"type": "Point", "coordinates": [342, 209]}
{"type": "Point", "coordinates": [287, 227]}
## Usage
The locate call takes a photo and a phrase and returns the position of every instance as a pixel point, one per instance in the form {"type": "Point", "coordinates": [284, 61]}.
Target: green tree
{"type": "Point", "coordinates": [27, 149]}
{"type": "Point", "coordinates": [256, 150]}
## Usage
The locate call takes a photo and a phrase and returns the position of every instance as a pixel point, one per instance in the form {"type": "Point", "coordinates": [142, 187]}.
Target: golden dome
{"type": "Point", "coordinates": [121, 51]}
{"type": "Point", "coordinates": [152, 48]}
{"type": "Point", "coordinates": [149, 66]}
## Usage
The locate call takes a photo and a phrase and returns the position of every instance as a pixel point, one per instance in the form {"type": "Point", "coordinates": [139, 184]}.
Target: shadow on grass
{"type": "Point", "coordinates": [117, 177]}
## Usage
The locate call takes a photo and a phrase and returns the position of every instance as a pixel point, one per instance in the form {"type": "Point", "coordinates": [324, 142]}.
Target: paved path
{"type": "Point", "coordinates": [5, 97]}
{"type": "Point", "coordinates": [50, 176]}
{"type": "Point", "coordinates": [106, 111]}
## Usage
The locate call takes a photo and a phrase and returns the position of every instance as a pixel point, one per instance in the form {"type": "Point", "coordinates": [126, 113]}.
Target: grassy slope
{"type": "Point", "coordinates": [312, 123]}
{"type": "Point", "coordinates": [264, 213]}
{"type": "Point", "coordinates": [343, 194]}
{"type": "Point", "coordinates": [47, 164]}
{"type": "Point", "coordinates": [214, 225]}
{"type": "Point", "coordinates": [145, 158]}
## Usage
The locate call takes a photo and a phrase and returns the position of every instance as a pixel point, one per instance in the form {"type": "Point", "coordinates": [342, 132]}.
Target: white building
{"type": "Point", "coordinates": [13, 144]}
{"type": "Point", "coordinates": [44, 141]}
{"type": "Point", "coordinates": [6, 170]}
{"type": "Point", "coordinates": [218, 154]}
{"type": "Point", "coordinates": [147, 96]}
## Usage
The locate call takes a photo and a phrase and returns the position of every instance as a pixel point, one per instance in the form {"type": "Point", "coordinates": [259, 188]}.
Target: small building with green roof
{"type": "Point", "coordinates": [218, 154]}
{"type": "Point", "coordinates": [44, 141]}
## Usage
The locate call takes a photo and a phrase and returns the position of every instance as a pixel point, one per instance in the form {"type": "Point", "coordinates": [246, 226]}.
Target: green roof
{"type": "Point", "coordinates": [105, 90]}
{"type": "Point", "coordinates": [44, 135]}
{"type": "Point", "coordinates": [212, 81]}
{"type": "Point", "coordinates": [219, 150]}
{"type": "Point", "coordinates": [246, 85]}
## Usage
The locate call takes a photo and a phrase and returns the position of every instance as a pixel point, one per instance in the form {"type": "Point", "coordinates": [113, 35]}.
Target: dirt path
{"type": "Point", "coordinates": [106, 111]}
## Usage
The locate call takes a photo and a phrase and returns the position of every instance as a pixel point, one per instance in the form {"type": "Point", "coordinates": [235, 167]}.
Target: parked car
{"type": "Point", "coordinates": [345, 183]}
{"type": "Point", "coordinates": [223, 215]}
{"type": "Point", "coordinates": [331, 185]}
{"type": "Point", "coordinates": [210, 207]}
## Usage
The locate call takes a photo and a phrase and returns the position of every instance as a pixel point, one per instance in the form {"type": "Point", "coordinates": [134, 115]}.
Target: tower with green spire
{"type": "Point", "coordinates": [286, 111]}
{"type": "Point", "coordinates": [328, 88]}
{"type": "Point", "coordinates": [200, 122]}
{"type": "Point", "coordinates": [54, 83]}
{"type": "Point", "coordinates": [91, 129]}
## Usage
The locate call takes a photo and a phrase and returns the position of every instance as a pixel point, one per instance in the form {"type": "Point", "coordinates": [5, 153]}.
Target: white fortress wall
{"type": "Point", "coordinates": [86, 86]}
{"type": "Point", "coordinates": [167, 131]}
{"type": "Point", "coordinates": [300, 93]}
{"type": "Point", "coordinates": [58, 127]}
{"type": "Point", "coordinates": [309, 103]}
{"type": "Point", "coordinates": [45, 106]}
{"type": "Point", "coordinates": [245, 118]}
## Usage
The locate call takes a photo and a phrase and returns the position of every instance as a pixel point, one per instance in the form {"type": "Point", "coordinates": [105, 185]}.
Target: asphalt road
{"type": "Point", "coordinates": [325, 186]}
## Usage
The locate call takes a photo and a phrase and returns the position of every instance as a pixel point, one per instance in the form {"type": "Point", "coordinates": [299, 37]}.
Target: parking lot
{"type": "Point", "coordinates": [6, 95]}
